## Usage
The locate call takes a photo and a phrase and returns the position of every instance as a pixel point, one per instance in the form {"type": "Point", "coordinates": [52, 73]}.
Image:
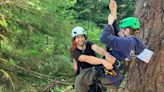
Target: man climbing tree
{"type": "Point", "coordinates": [149, 77]}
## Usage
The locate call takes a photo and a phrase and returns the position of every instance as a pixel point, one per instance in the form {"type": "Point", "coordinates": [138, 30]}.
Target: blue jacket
{"type": "Point", "coordinates": [121, 46]}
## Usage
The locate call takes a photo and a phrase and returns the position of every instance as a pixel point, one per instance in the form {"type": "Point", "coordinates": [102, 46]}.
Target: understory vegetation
{"type": "Point", "coordinates": [35, 40]}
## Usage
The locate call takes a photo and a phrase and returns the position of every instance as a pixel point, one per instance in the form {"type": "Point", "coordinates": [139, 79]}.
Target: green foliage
{"type": "Point", "coordinates": [63, 89]}
{"type": "Point", "coordinates": [7, 77]}
{"type": "Point", "coordinates": [36, 32]}
{"type": "Point", "coordinates": [57, 65]}
{"type": "Point", "coordinates": [91, 10]}
{"type": "Point", "coordinates": [35, 38]}
{"type": "Point", "coordinates": [3, 21]}
{"type": "Point", "coordinates": [125, 8]}
{"type": "Point", "coordinates": [97, 10]}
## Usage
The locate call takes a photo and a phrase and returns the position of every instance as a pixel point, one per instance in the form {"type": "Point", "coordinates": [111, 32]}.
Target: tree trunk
{"type": "Point", "coordinates": [149, 77]}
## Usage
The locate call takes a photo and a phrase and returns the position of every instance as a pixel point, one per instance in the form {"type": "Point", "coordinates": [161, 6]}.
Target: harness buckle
{"type": "Point", "coordinates": [117, 63]}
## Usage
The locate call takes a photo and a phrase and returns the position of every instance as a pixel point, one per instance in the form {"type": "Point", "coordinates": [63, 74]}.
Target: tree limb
{"type": "Point", "coordinates": [36, 74]}
{"type": "Point", "coordinates": [54, 83]}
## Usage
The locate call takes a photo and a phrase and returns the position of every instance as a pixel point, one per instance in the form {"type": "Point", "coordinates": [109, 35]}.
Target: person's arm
{"type": "Point", "coordinates": [113, 9]}
{"type": "Point", "coordinates": [108, 32]}
{"type": "Point", "coordinates": [95, 61]}
{"type": "Point", "coordinates": [75, 66]}
{"type": "Point", "coordinates": [103, 52]}
{"type": "Point", "coordinates": [106, 35]}
{"type": "Point", "coordinates": [112, 41]}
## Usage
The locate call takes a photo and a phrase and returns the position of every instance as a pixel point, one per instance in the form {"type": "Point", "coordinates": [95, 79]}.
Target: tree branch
{"type": "Point", "coordinates": [36, 74]}
{"type": "Point", "coordinates": [54, 83]}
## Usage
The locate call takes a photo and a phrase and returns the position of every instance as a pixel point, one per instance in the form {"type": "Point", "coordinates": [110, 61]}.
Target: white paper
{"type": "Point", "coordinates": [145, 55]}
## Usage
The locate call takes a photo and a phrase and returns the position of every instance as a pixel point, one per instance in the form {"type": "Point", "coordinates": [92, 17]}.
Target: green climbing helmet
{"type": "Point", "coordinates": [132, 22]}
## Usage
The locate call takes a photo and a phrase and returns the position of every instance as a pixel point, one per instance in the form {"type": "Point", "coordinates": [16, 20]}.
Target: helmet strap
{"type": "Point", "coordinates": [124, 33]}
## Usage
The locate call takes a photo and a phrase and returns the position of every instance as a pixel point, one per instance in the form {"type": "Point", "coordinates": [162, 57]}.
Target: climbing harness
{"type": "Point", "coordinates": [110, 72]}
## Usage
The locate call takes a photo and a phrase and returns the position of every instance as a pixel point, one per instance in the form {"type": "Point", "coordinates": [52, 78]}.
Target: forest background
{"type": "Point", "coordinates": [35, 40]}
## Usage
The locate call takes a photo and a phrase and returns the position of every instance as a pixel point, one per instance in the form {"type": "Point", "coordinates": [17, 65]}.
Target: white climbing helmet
{"type": "Point", "coordinates": [78, 30]}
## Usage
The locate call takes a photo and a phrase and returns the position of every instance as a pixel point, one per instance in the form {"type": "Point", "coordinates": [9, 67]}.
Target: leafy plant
{"type": "Point", "coordinates": [7, 77]}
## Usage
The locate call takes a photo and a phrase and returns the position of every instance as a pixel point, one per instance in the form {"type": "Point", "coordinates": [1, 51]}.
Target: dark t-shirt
{"type": "Point", "coordinates": [88, 51]}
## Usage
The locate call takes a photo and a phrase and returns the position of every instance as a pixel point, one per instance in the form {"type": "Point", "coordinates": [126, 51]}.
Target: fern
{"type": "Point", "coordinates": [7, 77]}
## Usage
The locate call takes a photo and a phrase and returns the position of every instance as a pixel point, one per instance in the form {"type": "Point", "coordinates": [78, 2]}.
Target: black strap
{"type": "Point", "coordinates": [78, 68]}
{"type": "Point", "coordinates": [96, 86]}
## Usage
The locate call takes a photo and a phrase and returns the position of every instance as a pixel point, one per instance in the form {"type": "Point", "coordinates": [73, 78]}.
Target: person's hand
{"type": "Point", "coordinates": [113, 8]}
{"type": "Point", "coordinates": [111, 19]}
{"type": "Point", "coordinates": [110, 58]}
{"type": "Point", "coordinates": [107, 64]}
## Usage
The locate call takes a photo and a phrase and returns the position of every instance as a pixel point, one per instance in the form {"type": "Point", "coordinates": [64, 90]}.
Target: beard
{"type": "Point", "coordinates": [81, 44]}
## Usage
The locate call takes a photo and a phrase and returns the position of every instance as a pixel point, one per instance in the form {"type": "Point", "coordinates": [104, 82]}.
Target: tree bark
{"type": "Point", "coordinates": [149, 77]}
